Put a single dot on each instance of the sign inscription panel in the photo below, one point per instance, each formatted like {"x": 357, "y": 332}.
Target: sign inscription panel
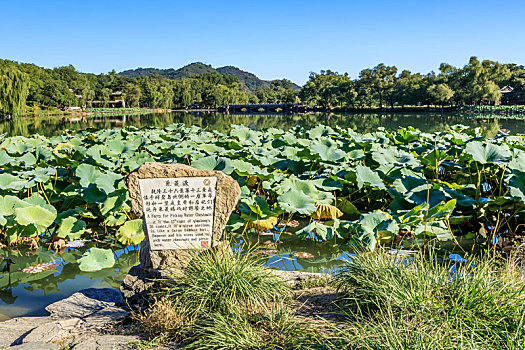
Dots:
{"x": 178, "y": 212}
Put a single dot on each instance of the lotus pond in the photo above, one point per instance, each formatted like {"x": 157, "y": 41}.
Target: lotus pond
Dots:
{"x": 310, "y": 196}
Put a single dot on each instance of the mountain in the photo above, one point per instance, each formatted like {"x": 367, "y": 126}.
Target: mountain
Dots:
{"x": 170, "y": 73}
{"x": 249, "y": 80}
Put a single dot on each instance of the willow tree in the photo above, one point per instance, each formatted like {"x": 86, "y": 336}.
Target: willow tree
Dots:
{"x": 14, "y": 88}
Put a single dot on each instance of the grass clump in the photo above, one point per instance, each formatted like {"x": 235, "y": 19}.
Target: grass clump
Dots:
{"x": 421, "y": 303}
{"x": 226, "y": 282}
{"x": 225, "y": 301}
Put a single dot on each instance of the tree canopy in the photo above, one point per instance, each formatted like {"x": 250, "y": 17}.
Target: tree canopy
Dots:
{"x": 14, "y": 89}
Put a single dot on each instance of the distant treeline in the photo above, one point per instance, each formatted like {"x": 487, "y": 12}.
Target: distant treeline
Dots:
{"x": 476, "y": 83}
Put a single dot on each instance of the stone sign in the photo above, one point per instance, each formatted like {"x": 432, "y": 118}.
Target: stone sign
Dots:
{"x": 178, "y": 212}
{"x": 182, "y": 208}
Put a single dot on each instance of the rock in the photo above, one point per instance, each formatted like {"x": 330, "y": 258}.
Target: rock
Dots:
{"x": 108, "y": 315}
{"x": 85, "y": 303}
{"x": 35, "y": 346}
{"x": 13, "y": 331}
{"x": 105, "y": 342}
{"x": 51, "y": 332}
{"x": 140, "y": 282}
{"x": 227, "y": 195}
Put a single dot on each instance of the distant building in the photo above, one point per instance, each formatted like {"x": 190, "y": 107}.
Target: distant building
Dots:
{"x": 508, "y": 95}
{"x": 116, "y": 101}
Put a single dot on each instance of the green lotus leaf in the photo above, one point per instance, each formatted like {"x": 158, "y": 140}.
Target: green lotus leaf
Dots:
{"x": 518, "y": 161}
{"x": 517, "y": 185}
{"x": 8, "y": 204}
{"x": 131, "y": 232}
{"x": 365, "y": 175}
{"x": 426, "y": 193}
{"x": 113, "y": 201}
{"x": 5, "y": 158}
{"x": 320, "y": 131}
{"x": 485, "y": 152}
{"x": 87, "y": 173}
{"x": 92, "y": 194}
{"x": 434, "y": 229}
{"x": 106, "y": 182}
{"x": 12, "y": 182}
{"x": 441, "y": 211}
{"x": 137, "y": 160}
{"x": 308, "y": 188}
{"x": 318, "y": 230}
{"x": 395, "y": 157}
{"x": 40, "y": 217}
{"x": 214, "y": 163}
{"x": 28, "y": 159}
{"x": 115, "y": 219}
{"x": 71, "y": 228}
{"x": 243, "y": 168}
{"x": 245, "y": 135}
{"x": 295, "y": 201}
{"x": 327, "y": 153}
{"x": 374, "y": 226}
{"x": 96, "y": 259}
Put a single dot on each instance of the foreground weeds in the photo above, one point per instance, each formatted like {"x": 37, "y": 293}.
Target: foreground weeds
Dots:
{"x": 423, "y": 303}
{"x": 225, "y": 301}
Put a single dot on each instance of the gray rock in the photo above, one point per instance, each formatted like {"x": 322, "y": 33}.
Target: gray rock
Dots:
{"x": 85, "y": 303}
{"x": 35, "y": 346}
{"x": 108, "y": 315}
{"x": 13, "y": 331}
{"x": 46, "y": 333}
{"x": 139, "y": 283}
{"x": 227, "y": 195}
{"x": 105, "y": 342}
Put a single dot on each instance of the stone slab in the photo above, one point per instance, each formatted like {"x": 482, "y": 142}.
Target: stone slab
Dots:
{"x": 85, "y": 303}
{"x": 106, "y": 342}
{"x": 35, "y": 346}
{"x": 13, "y": 331}
{"x": 227, "y": 196}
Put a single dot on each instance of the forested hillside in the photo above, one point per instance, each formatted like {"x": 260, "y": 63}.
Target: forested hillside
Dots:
{"x": 248, "y": 80}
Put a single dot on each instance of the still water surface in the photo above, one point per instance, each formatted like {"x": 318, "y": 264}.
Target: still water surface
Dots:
{"x": 360, "y": 122}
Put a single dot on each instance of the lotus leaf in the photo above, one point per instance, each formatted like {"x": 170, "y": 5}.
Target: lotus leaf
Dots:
{"x": 488, "y": 152}
{"x": 96, "y": 259}
{"x": 365, "y": 175}
{"x": 40, "y": 217}
{"x": 294, "y": 201}
{"x": 131, "y": 232}
{"x": 71, "y": 228}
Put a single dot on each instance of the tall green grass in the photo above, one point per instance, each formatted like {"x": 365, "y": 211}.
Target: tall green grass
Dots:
{"x": 395, "y": 303}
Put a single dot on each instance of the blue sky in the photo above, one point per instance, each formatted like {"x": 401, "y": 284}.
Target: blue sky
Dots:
{"x": 273, "y": 39}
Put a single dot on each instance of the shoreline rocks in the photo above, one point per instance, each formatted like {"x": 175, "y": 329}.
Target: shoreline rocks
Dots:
{"x": 72, "y": 320}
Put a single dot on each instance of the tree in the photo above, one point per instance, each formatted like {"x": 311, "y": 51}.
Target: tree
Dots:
{"x": 105, "y": 96}
{"x": 14, "y": 88}
{"x": 440, "y": 94}
{"x": 381, "y": 81}
{"x": 328, "y": 89}
{"x": 133, "y": 94}
{"x": 407, "y": 89}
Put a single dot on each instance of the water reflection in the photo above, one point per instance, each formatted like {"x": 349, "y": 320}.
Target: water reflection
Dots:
{"x": 360, "y": 122}
{"x": 25, "y": 294}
